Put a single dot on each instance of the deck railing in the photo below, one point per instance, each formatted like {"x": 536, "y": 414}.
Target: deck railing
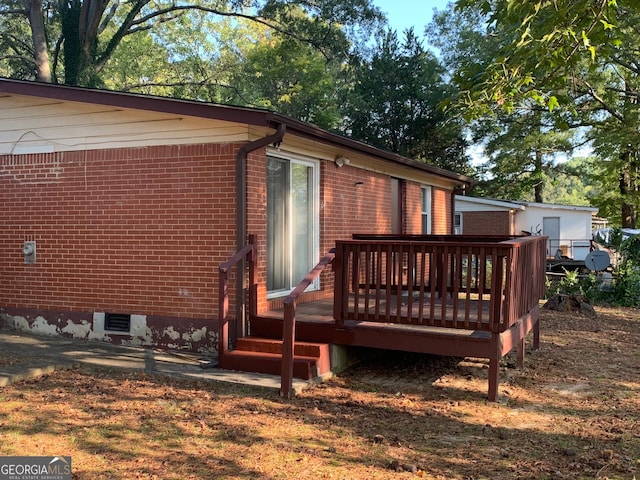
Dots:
{"x": 289, "y": 324}
{"x": 452, "y": 281}
{"x": 245, "y": 254}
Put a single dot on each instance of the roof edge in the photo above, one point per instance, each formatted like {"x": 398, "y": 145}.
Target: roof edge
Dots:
{"x": 556, "y": 206}
{"x": 491, "y": 201}
{"x": 251, "y": 116}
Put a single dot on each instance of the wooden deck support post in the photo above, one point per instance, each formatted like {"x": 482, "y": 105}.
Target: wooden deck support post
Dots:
{"x": 494, "y": 366}
{"x": 288, "y": 348}
{"x": 223, "y": 311}
{"x": 289, "y": 324}
{"x": 520, "y": 353}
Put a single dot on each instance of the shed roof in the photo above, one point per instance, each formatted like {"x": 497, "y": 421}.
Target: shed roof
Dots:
{"x": 506, "y": 204}
{"x": 552, "y": 206}
{"x": 519, "y": 205}
{"x": 242, "y": 115}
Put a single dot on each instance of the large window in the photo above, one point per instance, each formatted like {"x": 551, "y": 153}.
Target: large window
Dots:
{"x": 292, "y": 222}
{"x": 426, "y": 210}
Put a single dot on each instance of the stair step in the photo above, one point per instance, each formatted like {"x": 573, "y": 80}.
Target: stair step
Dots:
{"x": 270, "y": 363}
{"x": 270, "y": 345}
{"x": 267, "y": 327}
{"x": 264, "y": 355}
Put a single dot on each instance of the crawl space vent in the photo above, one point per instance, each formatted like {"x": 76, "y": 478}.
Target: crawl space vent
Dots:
{"x": 117, "y": 322}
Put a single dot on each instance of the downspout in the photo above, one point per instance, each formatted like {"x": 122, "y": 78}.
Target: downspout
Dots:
{"x": 241, "y": 212}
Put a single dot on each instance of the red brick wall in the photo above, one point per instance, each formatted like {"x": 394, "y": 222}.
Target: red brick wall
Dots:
{"x": 412, "y": 208}
{"x": 441, "y": 205}
{"x": 352, "y": 201}
{"x": 143, "y": 230}
{"x": 138, "y": 230}
{"x": 486, "y": 223}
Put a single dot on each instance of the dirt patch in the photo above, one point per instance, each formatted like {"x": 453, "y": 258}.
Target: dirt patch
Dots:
{"x": 7, "y": 361}
{"x": 573, "y": 412}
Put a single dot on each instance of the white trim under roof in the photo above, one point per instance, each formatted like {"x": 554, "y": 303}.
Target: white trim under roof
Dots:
{"x": 552, "y": 206}
{"x": 506, "y": 204}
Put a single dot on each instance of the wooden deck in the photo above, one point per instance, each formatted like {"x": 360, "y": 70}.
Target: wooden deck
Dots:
{"x": 445, "y": 295}
{"x": 315, "y": 323}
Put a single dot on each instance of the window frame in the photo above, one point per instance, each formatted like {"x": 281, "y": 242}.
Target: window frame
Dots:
{"x": 457, "y": 225}
{"x": 426, "y": 205}
{"x": 313, "y": 211}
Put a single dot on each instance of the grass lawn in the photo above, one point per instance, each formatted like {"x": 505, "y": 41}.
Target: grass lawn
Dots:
{"x": 573, "y": 412}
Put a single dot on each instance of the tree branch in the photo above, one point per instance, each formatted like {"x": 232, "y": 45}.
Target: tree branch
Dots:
{"x": 11, "y": 11}
{"x": 253, "y": 18}
{"x": 635, "y": 69}
{"x": 592, "y": 93}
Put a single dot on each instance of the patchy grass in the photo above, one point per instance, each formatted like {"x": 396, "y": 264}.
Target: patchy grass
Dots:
{"x": 573, "y": 412}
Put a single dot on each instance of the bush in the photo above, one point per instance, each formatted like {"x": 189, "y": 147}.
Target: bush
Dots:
{"x": 626, "y": 285}
{"x": 624, "y": 288}
{"x": 572, "y": 283}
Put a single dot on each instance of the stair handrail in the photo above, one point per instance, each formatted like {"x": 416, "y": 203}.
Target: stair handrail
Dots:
{"x": 289, "y": 323}
{"x": 246, "y": 253}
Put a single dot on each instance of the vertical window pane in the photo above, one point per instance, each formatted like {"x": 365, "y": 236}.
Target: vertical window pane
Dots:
{"x": 426, "y": 210}
{"x": 277, "y": 238}
{"x": 301, "y": 218}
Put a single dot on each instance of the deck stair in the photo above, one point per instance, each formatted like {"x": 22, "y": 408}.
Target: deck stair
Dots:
{"x": 264, "y": 355}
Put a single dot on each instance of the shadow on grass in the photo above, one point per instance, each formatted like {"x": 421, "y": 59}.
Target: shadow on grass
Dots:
{"x": 388, "y": 412}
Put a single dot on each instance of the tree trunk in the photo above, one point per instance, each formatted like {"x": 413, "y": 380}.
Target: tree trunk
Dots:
{"x": 74, "y": 63}
{"x": 628, "y": 190}
{"x": 41, "y": 53}
{"x": 538, "y": 187}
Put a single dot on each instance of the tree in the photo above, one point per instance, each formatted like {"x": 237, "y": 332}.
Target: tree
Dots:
{"x": 573, "y": 183}
{"x": 522, "y": 150}
{"x": 522, "y": 144}
{"x": 395, "y": 104}
{"x": 577, "y": 58}
{"x": 277, "y": 72}
{"x": 72, "y": 41}
{"x": 193, "y": 56}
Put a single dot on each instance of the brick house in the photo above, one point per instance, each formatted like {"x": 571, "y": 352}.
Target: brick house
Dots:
{"x": 118, "y": 209}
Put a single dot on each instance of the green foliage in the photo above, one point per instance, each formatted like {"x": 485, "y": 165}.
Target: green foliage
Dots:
{"x": 625, "y": 289}
{"x": 621, "y": 287}
{"x": 15, "y": 42}
{"x": 521, "y": 149}
{"x": 521, "y": 144}
{"x": 626, "y": 285}
{"x": 573, "y": 283}
{"x": 545, "y": 42}
{"x": 292, "y": 78}
{"x": 574, "y": 60}
{"x": 82, "y": 37}
{"x": 395, "y": 103}
{"x": 630, "y": 250}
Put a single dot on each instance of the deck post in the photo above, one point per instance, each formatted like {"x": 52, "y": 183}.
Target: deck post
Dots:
{"x": 494, "y": 367}
{"x": 253, "y": 280}
{"x": 288, "y": 347}
{"x": 223, "y": 294}
{"x": 536, "y": 329}
{"x": 520, "y": 350}
{"x": 340, "y": 297}
{"x": 223, "y": 310}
